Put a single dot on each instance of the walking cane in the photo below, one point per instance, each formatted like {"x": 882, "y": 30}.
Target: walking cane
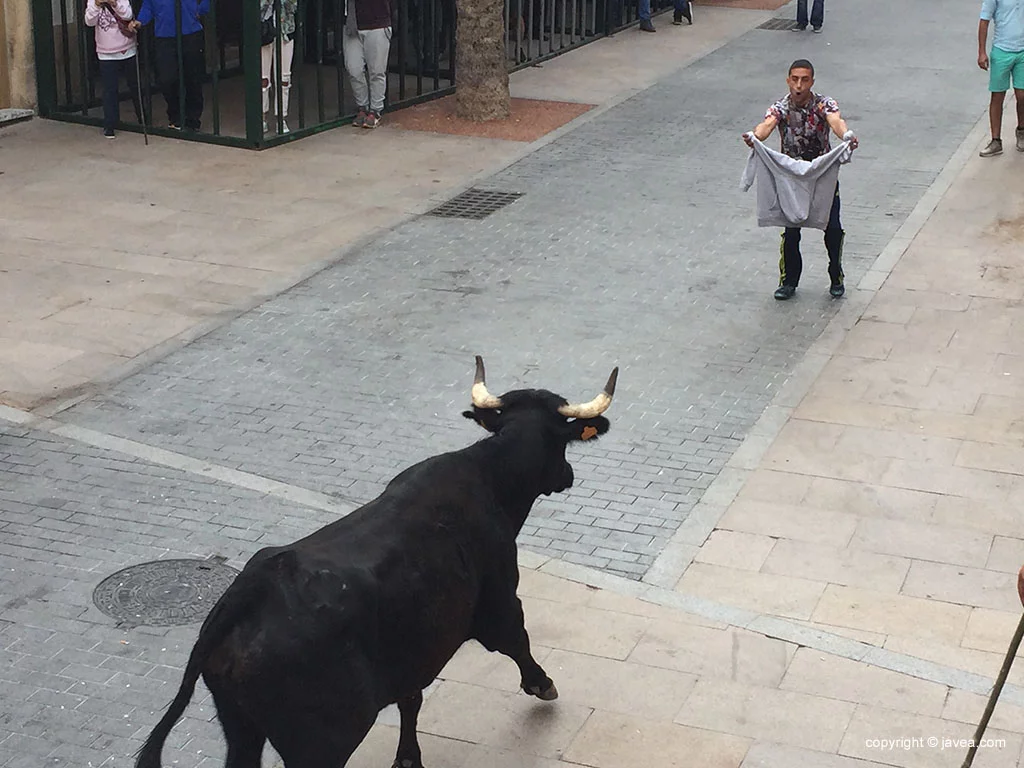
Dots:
{"x": 138, "y": 87}
{"x": 1011, "y": 654}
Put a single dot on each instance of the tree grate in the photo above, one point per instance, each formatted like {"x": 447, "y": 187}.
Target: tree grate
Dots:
{"x": 475, "y": 204}
{"x": 778, "y": 24}
{"x": 164, "y": 593}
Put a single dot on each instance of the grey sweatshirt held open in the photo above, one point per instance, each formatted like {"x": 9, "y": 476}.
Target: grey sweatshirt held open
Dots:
{"x": 793, "y": 192}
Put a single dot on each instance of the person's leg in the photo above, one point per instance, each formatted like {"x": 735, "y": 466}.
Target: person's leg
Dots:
{"x": 999, "y": 66}
{"x": 166, "y": 55}
{"x": 376, "y": 46}
{"x": 644, "y": 11}
{"x": 108, "y": 75}
{"x": 790, "y": 263}
{"x": 801, "y": 14}
{"x": 834, "y": 237}
{"x": 193, "y": 51}
{"x": 266, "y": 72}
{"x": 995, "y": 113}
{"x": 818, "y": 14}
{"x": 355, "y": 65}
{"x": 682, "y": 10}
{"x": 1017, "y": 75}
{"x": 287, "y": 50}
{"x": 1018, "y": 95}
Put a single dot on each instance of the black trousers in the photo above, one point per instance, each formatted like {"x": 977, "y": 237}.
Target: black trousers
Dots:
{"x": 193, "y": 66}
{"x": 790, "y": 262}
{"x": 110, "y": 74}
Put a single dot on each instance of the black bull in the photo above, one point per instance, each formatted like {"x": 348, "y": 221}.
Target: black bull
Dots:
{"x": 314, "y": 638}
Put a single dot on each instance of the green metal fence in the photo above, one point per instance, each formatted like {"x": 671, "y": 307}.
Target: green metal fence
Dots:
{"x": 421, "y": 62}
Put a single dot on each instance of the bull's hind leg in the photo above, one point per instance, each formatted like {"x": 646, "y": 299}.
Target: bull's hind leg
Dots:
{"x": 320, "y": 738}
{"x": 408, "y": 755}
{"x": 244, "y": 739}
{"x": 503, "y": 629}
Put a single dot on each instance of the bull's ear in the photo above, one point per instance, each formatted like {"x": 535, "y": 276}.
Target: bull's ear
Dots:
{"x": 587, "y": 429}
{"x": 485, "y": 418}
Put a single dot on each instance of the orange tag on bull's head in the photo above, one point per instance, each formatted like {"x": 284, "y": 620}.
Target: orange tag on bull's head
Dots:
{"x": 588, "y": 432}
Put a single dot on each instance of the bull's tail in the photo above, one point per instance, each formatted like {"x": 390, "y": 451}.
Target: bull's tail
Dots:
{"x": 216, "y": 627}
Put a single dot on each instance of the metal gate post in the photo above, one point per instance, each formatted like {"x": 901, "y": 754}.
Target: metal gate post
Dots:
{"x": 45, "y": 56}
{"x": 253, "y": 73}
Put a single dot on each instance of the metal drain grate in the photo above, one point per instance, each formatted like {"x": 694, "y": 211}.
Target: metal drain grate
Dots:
{"x": 778, "y": 24}
{"x": 475, "y": 204}
{"x": 164, "y": 593}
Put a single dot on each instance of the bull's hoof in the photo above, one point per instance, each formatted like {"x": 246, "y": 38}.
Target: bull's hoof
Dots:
{"x": 548, "y": 694}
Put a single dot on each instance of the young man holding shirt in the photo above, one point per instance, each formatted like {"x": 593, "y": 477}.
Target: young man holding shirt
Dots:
{"x": 804, "y": 119}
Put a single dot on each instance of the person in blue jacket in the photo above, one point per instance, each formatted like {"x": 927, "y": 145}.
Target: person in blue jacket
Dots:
{"x": 193, "y": 62}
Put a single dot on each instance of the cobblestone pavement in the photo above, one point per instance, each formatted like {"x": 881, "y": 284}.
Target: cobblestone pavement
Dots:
{"x": 631, "y": 246}
{"x": 77, "y": 691}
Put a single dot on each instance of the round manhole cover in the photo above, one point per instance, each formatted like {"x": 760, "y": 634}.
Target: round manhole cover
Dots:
{"x": 164, "y": 593}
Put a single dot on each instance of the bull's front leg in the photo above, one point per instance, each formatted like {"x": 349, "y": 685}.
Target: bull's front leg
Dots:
{"x": 504, "y": 631}
{"x": 408, "y": 745}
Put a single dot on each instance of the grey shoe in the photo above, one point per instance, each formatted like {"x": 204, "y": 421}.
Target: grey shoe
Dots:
{"x": 995, "y": 147}
{"x": 1020, "y": 139}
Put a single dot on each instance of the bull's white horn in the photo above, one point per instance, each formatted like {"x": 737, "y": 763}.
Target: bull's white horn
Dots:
{"x": 481, "y": 397}
{"x": 595, "y": 407}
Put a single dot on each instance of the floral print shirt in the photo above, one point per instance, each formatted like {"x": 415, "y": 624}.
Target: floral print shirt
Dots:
{"x": 804, "y": 130}
{"x": 288, "y": 10}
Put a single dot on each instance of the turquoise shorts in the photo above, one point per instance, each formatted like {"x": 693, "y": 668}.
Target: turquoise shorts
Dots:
{"x": 1001, "y": 65}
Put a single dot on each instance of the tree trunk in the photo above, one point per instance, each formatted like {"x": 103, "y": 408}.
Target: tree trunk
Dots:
{"x": 481, "y": 72}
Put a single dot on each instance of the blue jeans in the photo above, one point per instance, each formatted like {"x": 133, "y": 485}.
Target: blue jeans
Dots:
{"x": 645, "y": 10}
{"x": 817, "y": 13}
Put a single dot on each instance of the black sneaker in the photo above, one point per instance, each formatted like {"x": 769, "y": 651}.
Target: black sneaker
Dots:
{"x": 108, "y": 132}
{"x": 647, "y": 26}
{"x": 837, "y": 290}
{"x": 784, "y": 292}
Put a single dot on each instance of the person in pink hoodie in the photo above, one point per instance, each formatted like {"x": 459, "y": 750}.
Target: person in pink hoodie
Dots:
{"x": 116, "y": 50}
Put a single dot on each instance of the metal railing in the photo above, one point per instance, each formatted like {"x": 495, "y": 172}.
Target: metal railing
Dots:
{"x": 421, "y": 62}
